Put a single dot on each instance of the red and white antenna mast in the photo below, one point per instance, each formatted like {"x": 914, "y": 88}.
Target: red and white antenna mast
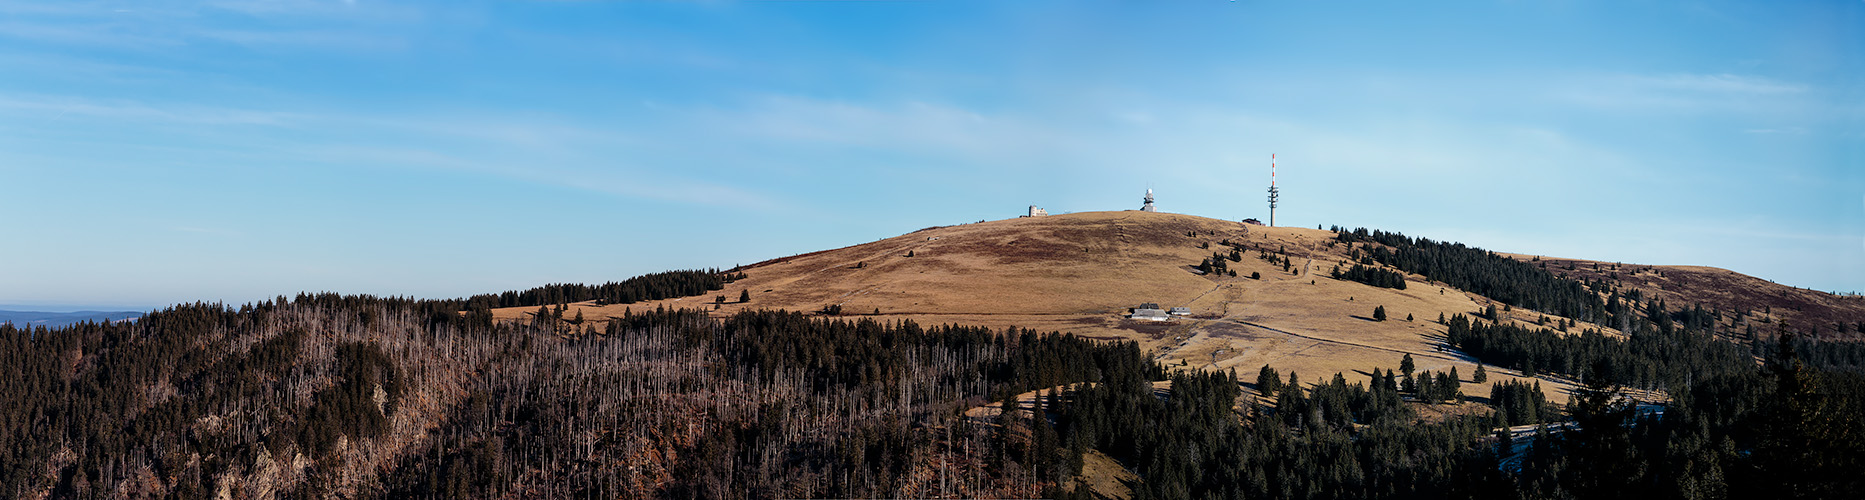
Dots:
{"x": 1273, "y": 193}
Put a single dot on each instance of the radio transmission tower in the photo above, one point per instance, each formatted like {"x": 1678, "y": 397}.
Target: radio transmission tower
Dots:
{"x": 1273, "y": 193}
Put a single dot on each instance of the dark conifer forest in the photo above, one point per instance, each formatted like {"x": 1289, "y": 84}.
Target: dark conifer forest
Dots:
{"x": 329, "y": 396}
{"x": 1477, "y": 271}
{"x": 655, "y": 286}
{"x": 1383, "y": 278}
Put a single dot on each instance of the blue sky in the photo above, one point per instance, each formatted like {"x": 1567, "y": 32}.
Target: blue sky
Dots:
{"x": 154, "y": 152}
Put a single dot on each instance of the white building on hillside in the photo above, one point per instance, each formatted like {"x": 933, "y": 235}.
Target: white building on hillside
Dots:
{"x": 1150, "y": 315}
{"x": 1037, "y": 212}
{"x": 1149, "y": 312}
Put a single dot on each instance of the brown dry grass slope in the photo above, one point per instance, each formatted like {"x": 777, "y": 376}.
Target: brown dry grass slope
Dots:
{"x": 1079, "y": 273}
{"x": 1764, "y": 304}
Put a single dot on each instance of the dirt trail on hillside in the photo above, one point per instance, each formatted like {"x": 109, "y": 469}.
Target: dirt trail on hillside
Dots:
{"x": 1438, "y": 355}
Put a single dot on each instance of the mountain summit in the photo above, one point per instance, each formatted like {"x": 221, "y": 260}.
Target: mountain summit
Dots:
{"x": 1084, "y": 273}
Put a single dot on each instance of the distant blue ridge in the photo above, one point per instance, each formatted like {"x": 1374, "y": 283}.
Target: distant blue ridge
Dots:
{"x": 23, "y": 319}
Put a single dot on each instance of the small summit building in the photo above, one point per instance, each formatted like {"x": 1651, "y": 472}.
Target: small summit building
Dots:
{"x": 1149, "y": 312}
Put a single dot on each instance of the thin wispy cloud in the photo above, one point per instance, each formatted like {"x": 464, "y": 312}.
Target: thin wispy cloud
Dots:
{"x": 1683, "y": 92}
{"x": 206, "y": 230}
{"x": 1773, "y": 131}
{"x": 1720, "y": 83}
{"x": 28, "y": 106}
{"x": 344, "y": 40}
{"x": 515, "y": 147}
{"x": 87, "y": 34}
{"x": 322, "y": 25}
{"x": 917, "y": 126}
{"x": 612, "y": 175}
{"x": 86, "y": 69}
{"x": 375, "y": 12}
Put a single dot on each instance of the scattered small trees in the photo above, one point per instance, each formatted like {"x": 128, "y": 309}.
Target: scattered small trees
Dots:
{"x": 1383, "y": 278}
{"x": 1438, "y": 387}
{"x": 1217, "y": 263}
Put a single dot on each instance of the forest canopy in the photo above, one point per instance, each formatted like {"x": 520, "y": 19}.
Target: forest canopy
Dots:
{"x": 327, "y": 395}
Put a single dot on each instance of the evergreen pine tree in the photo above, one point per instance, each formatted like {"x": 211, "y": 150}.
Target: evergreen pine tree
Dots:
{"x": 1425, "y": 389}
{"x": 1268, "y": 382}
{"x": 1008, "y": 418}
{"x": 1600, "y": 450}
{"x": 1451, "y": 386}
{"x": 1480, "y": 376}
{"x": 1505, "y": 444}
{"x": 1802, "y": 443}
{"x": 1044, "y": 446}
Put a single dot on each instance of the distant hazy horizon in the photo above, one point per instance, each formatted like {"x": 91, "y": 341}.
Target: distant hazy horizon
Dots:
{"x": 71, "y": 308}
{"x": 161, "y": 152}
